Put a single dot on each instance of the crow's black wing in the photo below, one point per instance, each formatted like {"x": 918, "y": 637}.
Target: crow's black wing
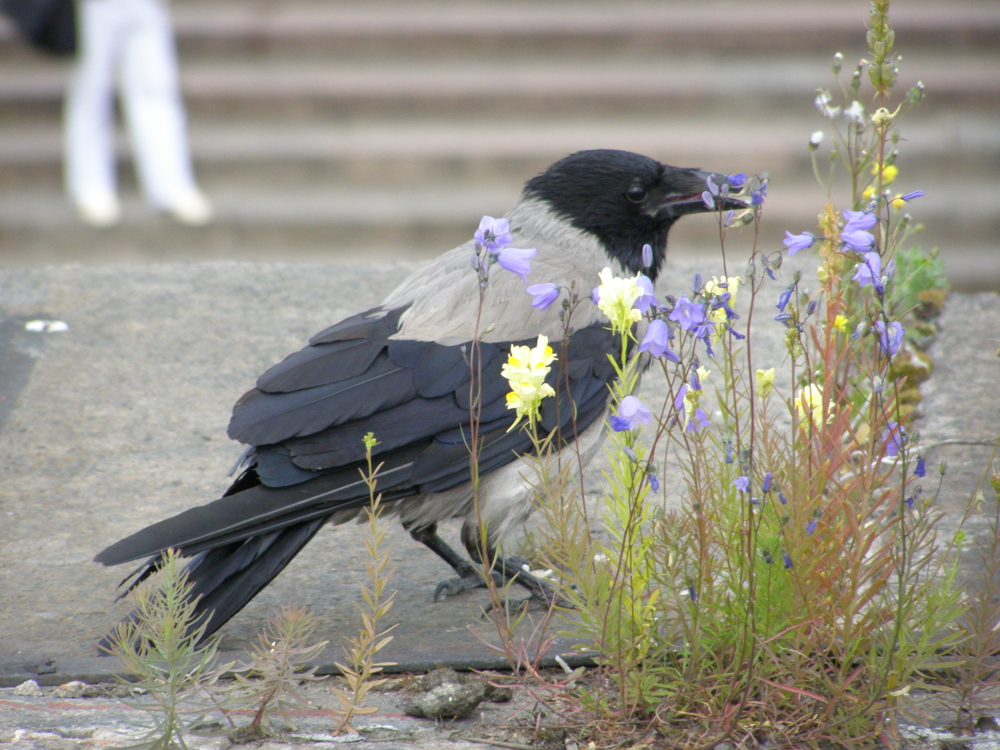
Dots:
{"x": 306, "y": 419}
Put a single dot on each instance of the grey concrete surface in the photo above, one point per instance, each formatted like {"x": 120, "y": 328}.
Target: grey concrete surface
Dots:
{"x": 120, "y": 421}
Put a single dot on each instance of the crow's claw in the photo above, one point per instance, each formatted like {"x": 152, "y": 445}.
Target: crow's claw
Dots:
{"x": 456, "y": 586}
{"x": 537, "y": 600}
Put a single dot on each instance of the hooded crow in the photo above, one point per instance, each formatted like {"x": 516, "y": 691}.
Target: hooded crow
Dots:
{"x": 402, "y": 371}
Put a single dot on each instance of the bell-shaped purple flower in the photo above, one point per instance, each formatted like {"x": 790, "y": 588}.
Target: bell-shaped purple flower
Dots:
{"x": 493, "y": 234}
{"x": 690, "y": 315}
{"x": 765, "y": 486}
{"x": 654, "y": 483}
{"x": 921, "y": 470}
{"x": 796, "y": 242}
{"x": 742, "y": 483}
{"x": 708, "y": 200}
{"x": 869, "y": 270}
{"x": 516, "y": 260}
{"x": 657, "y": 341}
{"x": 631, "y": 413}
{"x": 647, "y": 299}
{"x": 912, "y": 196}
{"x": 647, "y": 255}
{"x": 698, "y": 421}
{"x": 890, "y": 337}
{"x": 858, "y": 220}
{"x": 544, "y": 295}
{"x": 894, "y": 438}
{"x": 858, "y": 240}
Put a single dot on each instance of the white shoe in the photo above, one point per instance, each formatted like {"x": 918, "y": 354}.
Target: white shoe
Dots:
{"x": 191, "y": 208}
{"x": 99, "y": 209}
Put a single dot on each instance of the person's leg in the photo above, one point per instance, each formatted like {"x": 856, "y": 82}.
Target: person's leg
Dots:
{"x": 89, "y": 158}
{"x": 154, "y": 113}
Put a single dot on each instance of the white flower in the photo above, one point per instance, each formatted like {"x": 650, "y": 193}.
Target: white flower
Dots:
{"x": 815, "y": 139}
{"x": 823, "y": 105}
{"x": 856, "y": 112}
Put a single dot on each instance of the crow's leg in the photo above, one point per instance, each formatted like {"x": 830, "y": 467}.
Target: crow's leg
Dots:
{"x": 469, "y": 575}
{"x": 511, "y": 569}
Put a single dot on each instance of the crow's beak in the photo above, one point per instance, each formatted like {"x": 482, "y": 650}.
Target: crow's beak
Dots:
{"x": 694, "y": 191}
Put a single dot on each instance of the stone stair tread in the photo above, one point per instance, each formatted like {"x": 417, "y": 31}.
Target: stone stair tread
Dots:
{"x": 767, "y": 18}
{"x": 770, "y": 18}
{"x": 348, "y": 205}
{"x": 682, "y": 141}
{"x": 553, "y": 80}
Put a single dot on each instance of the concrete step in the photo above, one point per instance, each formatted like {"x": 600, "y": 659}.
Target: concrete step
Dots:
{"x": 716, "y": 87}
{"x": 377, "y": 30}
{"x": 385, "y": 153}
{"x": 351, "y": 223}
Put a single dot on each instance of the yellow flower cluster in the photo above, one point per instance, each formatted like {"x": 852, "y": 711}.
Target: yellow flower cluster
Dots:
{"x": 764, "y": 381}
{"x": 809, "y": 405}
{"x": 525, "y": 370}
{"x": 889, "y": 173}
{"x": 616, "y": 298}
{"x": 712, "y": 289}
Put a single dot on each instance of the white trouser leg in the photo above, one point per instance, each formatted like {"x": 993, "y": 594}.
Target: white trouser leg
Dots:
{"x": 152, "y": 105}
{"x": 89, "y": 124}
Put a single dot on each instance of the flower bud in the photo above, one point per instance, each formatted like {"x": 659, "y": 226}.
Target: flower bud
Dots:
{"x": 815, "y": 139}
{"x": 856, "y": 78}
{"x": 838, "y": 60}
{"x": 811, "y": 307}
{"x": 914, "y": 95}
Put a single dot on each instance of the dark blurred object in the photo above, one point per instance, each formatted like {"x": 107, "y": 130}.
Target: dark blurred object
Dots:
{"x": 49, "y": 25}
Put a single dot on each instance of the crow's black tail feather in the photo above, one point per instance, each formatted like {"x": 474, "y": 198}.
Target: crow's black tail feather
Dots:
{"x": 226, "y": 578}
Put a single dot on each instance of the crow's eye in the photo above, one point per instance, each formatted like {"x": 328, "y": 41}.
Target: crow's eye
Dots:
{"x": 636, "y": 193}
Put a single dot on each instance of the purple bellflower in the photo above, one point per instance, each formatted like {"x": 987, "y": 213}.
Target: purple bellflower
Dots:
{"x": 912, "y": 196}
{"x": 783, "y": 299}
{"x": 811, "y": 526}
{"x": 657, "y": 341}
{"x": 544, "y": 295}
{"x": 894, "y": 438}
{"x": 647, "y": 255}
{"x": 654, "y": 483}
{"x": 493, "y": 234}
{"x": 921, "y": 470}
{"x": 890, "y": 337}
{"x": 858, "y": 220}
{"x": 787, "y": 560}
{"x": 516, "y": 260}
{"x": 631, "y": 413}
{"x": 690, "y": 315}
{"x": 869, "y": 271}
{"x": 648, "y": 298}
{"x": 742, "y": 483}
{"x": 796, "y": 242}
{"x": 858, "y": 240}
{"x": 766, "y": 485}
{"x": 698, "y": 421}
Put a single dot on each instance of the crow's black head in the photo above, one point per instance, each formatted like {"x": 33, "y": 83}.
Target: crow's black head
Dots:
{"x": 626, "y": 200}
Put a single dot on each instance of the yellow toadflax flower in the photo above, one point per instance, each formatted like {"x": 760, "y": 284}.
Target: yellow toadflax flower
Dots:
{"x": 616, "y": 298}
{"x": 525, "y": 370}
{"x": 809, "y": 405}
{"x": 840, "y": 323}
{"x": 712, "y": 289}
{"x": 764, "y": 380}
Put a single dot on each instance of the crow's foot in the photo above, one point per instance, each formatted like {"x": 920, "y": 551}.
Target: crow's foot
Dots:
{"x": 472, "y": 580}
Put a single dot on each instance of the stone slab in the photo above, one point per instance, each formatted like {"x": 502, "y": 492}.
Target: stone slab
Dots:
{"x": 120, "y": 421}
